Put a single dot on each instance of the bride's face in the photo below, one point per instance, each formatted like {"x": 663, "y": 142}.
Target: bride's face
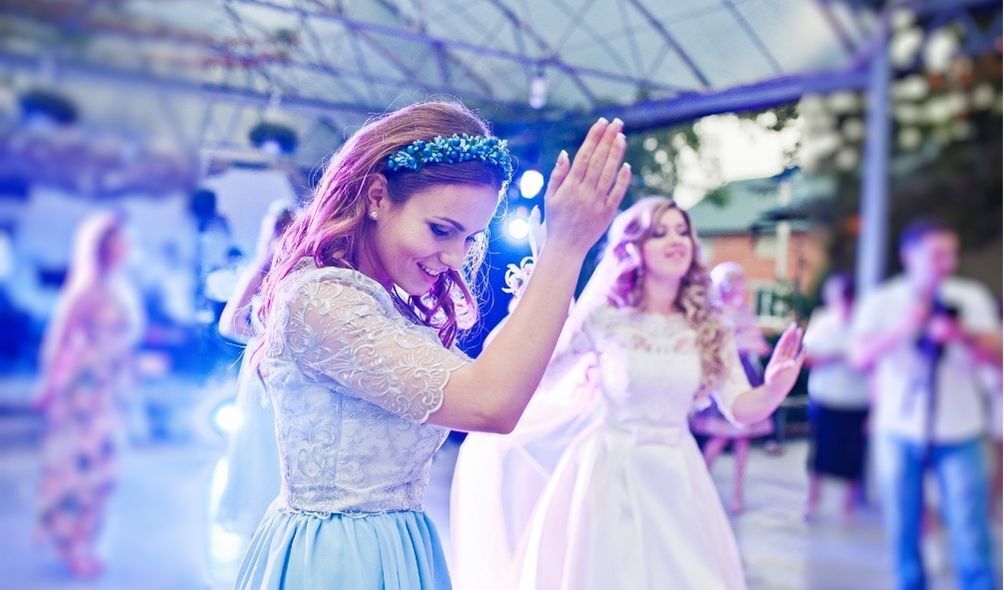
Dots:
{"x": 669, "y": 250}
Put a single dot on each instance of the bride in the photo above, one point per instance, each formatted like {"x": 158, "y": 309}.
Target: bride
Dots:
{"x": 601, "y": 485}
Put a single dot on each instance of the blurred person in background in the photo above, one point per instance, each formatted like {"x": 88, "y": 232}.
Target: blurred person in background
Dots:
{"x": 926, "y": 335}
{"x": 995, "y": 426}
{"x": 252, "y": 456}
{"x": 728, "y": 287}
{"x": 86, "y": 368}
{"x": 838, "y": 397}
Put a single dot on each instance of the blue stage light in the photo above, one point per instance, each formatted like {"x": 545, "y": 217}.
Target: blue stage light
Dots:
{"x": 530, "y": 184}
{"x": 518, "y": 228}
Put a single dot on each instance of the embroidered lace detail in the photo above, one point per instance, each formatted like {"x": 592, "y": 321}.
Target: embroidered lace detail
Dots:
{"x": 650, "y": 365}
{"x": 353, "y": 383}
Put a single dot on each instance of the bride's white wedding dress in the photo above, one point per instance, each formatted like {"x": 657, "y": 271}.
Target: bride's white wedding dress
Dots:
{"x": 603, "y": 494}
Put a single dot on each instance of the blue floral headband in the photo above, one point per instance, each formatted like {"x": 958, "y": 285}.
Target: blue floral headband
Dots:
{"x": 453, "y": 149}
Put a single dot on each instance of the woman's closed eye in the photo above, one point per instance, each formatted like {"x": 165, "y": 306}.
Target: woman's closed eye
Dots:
{"x": 440, "y": 231}
{"x": 444, "y": 232}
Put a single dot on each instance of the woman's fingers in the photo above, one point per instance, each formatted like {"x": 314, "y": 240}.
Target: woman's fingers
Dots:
{"x": 582, "y": 157}
{"x": 788, "y": 343}
{"x": 620, "y": 186}
{"x": 800, "y": 357}
{"x": 612, "y": 165}
{"x": 558, "y": 174}
{"x": 599, "y": 157}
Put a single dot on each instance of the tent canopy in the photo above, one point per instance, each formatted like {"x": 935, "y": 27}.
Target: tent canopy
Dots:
{"x": 198, "y": 73}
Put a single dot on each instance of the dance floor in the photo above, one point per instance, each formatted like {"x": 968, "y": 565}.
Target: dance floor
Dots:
{"x": 157, "y": 535}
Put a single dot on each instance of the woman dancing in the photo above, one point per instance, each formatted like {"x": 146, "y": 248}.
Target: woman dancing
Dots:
{"x": 361, "y": 309}
{"x": 630, "y": 503}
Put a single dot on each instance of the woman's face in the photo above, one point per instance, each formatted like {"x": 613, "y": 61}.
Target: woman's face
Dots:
{"x": 669, "y": 250}
{"x": 411, "y": 244}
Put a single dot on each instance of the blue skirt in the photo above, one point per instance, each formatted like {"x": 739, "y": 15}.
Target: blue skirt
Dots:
{"x": 294, "y": 550}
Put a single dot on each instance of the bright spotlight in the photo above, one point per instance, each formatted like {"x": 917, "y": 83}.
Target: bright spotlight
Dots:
{"x": 530, "y": 184}
{"x": 226, "y": 418}
{"x": 518, "y": 228}
{"x": 538, "y": 92}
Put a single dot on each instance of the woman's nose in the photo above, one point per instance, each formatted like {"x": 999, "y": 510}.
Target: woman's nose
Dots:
{"x": 454, "y": 256}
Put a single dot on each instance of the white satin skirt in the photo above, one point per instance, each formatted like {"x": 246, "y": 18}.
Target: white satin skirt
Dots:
{"x": 630, "y": 507}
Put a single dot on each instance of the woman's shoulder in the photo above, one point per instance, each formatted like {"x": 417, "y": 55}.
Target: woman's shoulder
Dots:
{"x": 334, "y": 279}
{"x": 327, "y": 289}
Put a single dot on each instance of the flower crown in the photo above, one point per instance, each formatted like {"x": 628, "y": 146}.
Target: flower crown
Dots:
{"x": 453, "y": 149}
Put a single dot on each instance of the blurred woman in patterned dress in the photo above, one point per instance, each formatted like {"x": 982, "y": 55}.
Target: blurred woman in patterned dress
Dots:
{"x": 729, "y": 288}
{"x": 85, "y": 368}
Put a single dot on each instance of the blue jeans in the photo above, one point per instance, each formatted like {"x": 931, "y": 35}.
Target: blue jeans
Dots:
{"x": 962, "y": 483}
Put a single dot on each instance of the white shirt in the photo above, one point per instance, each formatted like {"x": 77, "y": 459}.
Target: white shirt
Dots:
{"x": 834, "y": 383}
{"x": 901, "y": 375}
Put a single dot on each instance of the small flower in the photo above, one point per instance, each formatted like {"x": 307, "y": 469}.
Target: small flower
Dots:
{"x": 518, "y": 276}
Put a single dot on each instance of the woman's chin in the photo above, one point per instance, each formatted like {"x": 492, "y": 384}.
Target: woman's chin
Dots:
{"x": 417, "y": 288}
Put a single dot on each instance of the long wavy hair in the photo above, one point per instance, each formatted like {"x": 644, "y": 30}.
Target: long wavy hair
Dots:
{"x": 629, "y": 232}
{"x": 92, "y": 249}
{"x": 331, "y": 227}
{"x": 92, "y": 263}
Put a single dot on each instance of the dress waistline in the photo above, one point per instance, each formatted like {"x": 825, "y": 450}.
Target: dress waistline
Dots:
{"x": 284, "y": 508}
{"x": 642, "y": 434}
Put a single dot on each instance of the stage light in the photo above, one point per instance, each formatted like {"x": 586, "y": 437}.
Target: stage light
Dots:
{"x": 518, "y": 228}
{"x": 226, "y": 418}
{"x": 538, "y": 91}
{"x": 530, "y": 184}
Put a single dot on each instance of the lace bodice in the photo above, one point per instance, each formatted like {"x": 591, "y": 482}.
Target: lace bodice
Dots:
{"x": 649, "y": 367}
{"x": 352, "y": 383}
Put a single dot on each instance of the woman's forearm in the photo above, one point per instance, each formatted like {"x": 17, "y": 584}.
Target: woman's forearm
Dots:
{"x": 509, "y": 370}
{"x": 756, "y": 404}
{"x": 235, "y": 321}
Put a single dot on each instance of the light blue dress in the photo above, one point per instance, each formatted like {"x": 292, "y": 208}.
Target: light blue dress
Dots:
{"x": 352, "y": 382}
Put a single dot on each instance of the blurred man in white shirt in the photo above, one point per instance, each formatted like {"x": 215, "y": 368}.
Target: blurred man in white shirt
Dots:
{"x": 926, "y": 336}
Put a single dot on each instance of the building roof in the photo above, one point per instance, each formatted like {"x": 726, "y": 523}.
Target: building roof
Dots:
{"x": 752, "y": 205}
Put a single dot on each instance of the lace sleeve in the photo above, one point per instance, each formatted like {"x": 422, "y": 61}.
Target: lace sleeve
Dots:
{"x": 576, "y": 343}
{"x": 734, "y": 382}
{"x": 343, "y": 329}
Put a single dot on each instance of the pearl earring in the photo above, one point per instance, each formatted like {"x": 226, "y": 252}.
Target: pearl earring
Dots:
{"x": 373, "y": 215}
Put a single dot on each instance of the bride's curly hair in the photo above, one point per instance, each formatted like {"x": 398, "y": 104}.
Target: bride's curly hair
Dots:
{"x": 629, "y": 232}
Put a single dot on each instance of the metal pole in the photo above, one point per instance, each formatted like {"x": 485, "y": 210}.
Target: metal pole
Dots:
{"x": 783, "y": 231}
{"x": 874, "y": 209}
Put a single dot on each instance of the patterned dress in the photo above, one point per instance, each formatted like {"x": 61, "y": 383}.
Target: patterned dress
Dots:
{"x": 352, "y": 383}
{"x": 82, "y": 424}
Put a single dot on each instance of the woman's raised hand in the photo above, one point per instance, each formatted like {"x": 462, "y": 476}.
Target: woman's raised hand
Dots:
{"x": 786, "y": 362}
{"x": 583, "y": 195}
